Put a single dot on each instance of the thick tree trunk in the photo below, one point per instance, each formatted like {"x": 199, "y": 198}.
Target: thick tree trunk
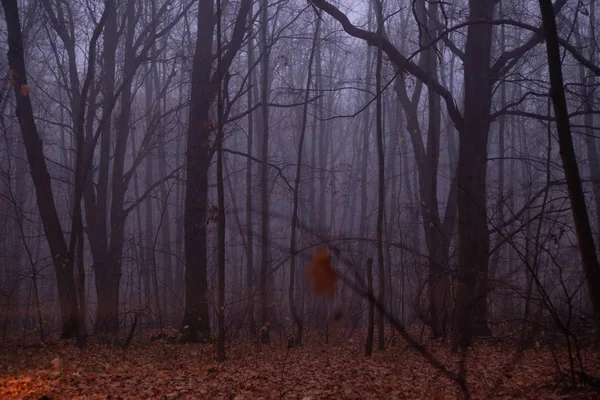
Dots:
{"x": 585, "y": 239}
{"x": 196, "y": 319}
{"x": 107, "y": 311}
{"x": 471, "y": 306}
{"x": 473, "y": 129}
{"x": 196, "y": 324}
{"x": 587, "y": 93}
{"x": 63, "y": 264}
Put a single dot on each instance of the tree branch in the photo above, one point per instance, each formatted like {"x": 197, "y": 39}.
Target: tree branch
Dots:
{"x": 401, "y": 61}
{"x": 150, "y": 189}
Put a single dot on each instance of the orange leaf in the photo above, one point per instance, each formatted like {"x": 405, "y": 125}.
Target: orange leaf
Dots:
{"x": 321, "y": 273}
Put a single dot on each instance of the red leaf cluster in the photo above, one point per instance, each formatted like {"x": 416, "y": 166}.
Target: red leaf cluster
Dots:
{"x": 321, "y": 273}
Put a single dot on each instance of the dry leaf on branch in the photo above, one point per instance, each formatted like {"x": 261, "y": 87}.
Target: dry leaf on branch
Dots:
{"x": 321, "y": 273}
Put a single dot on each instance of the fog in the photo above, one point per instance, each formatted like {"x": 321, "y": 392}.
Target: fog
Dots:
{"x": 182, "y": 163}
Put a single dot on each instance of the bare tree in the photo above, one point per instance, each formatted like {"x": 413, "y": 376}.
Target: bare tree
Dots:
{"x": 63, "y": 256}
{"x": 196, "y": 320}
{"x": 265, "y": 314}
{"x": 585, "y": 238}
{"x": 294, "y": 224}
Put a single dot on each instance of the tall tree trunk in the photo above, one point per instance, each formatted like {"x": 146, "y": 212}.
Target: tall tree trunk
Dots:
{"x": 196, "y": 324}
{"x": 144, "y": 271}
{"x": 365, "y": 150}
{"x": 585, "y": 239}
{"x": 501, "y": 154}
{"x": 167, "y": 251}
{"x": 321, "y": 220}
{"x": 471, "y": 309}
{"x": 108, "y": 276}
{"x": 438, "y": 233}
{"x": 97, "y": 208}
{"x": 165, "y": 226}
{"x": 61, "y": 255}
{"x": 471, "y": 306}
{"x": 196, "y": 319}
{"x": 148, "y": 267}
{"x": 381, "y": 181}
{"x": 179, "y": 194}
{"x": 587, "y": 93}
{"x": 265, "y": 303}
{"x": 249, "y": 194}
{"x": 292, "y": 295}
{"x": 221, "y": 198}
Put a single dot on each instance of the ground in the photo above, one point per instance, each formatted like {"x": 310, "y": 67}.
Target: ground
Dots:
{"x": 252, "y": 371}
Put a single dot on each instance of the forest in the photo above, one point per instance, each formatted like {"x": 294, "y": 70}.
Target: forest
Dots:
{"x": 304, "y": 199}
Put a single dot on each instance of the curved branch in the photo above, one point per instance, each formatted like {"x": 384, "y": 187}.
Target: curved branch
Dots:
{"x": 402, "y": 62}
{"x": 279, "y": 170}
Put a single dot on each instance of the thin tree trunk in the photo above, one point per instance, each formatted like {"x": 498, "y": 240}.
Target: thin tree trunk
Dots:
{"x": 265, "y": 302}
{"x": 381, "y": 183}
{"x": 167, "y": 258}
{"x": 249, "y": 194}
{"x": 143, "y": 263}
{"x": 501, "y": 154}
{"x": 371, "y": 323}
{"x": 108, "y": 276}
{"x": 292, "y": 296}
{"x": 221, "y": 198}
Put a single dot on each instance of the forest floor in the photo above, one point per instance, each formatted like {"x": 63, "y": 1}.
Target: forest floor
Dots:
{"x": 168, "y": 371}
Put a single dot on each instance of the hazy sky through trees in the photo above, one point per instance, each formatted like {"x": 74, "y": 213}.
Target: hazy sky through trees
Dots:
{"x": 178, "y": 163}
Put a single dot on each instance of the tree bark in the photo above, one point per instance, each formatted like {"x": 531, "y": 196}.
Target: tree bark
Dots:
{"x": 196, "y": 323}
{"x": 471, "y": 305}
{"x": 221, "y": 198}
{"x": 249, "y": 194}
{"x": 381, "y": 181}
{"x": 471, "y": 170}
{"x": 292, "y": 295}
{"x": 108, "y": 276}
{"x": 371, "y": 317}
{"x": 63, "y": 263}
{"x": 196, "y": 319}
{"x": 265, "y": 302}
{"x": 583, "y": 228}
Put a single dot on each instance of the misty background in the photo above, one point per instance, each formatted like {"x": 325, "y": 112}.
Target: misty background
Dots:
{"x": 426, "y": 162}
